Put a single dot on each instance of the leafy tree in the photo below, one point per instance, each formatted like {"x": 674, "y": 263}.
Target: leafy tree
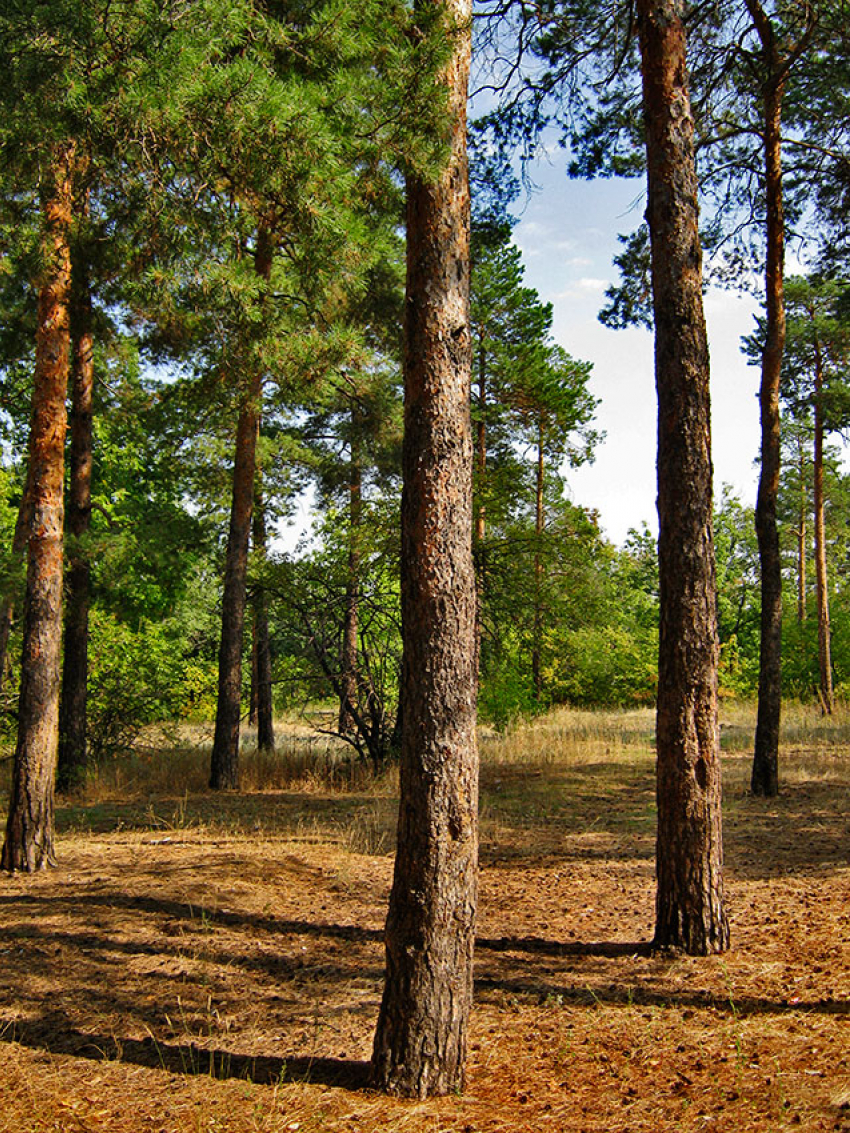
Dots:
{"x": 815, "y": 384}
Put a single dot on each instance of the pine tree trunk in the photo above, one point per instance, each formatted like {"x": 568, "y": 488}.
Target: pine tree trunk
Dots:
{"x": 421, "y": 1037}
{"x": 765, "y": 774}
{"x": 690, "y": 911}
{"x": 30, "y": 827}
{"x": 539, "y": 520}
{"x": 824, "y": 650}
{"x": 224, "y": 764}
{"x": 71, "y": 769}
{"x": 262, "y": 647}
{"x": 801, "y": 537}
{"x": 348, "y": 654}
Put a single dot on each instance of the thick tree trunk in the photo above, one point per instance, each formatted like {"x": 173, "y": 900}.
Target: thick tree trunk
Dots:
{"x": 262, "y": 647}
{"x": 824, "y": 645}
{"x": 348, "y": 653}
{"x": 690, "y": 912}
{"x": 539, "y": 522}
{"x": 30, "y": 828}
{"x": 224, "y": 765}
{"x": 765, "y": 774}
{"x": 71, "y": 769}
{"x": 420, "y": 1042}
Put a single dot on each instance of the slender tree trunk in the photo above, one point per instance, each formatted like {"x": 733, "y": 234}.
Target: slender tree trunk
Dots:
{"x": 481, "y": 444}
{"x": 539, "y": 522}
{"x": 71, "y": 769}
{"x": 765, "y": 775}
{"x": 801, "y": 535}
{"x": 824, "y": 651}
{"x": 30, "y": 827}
{"x": 420, "y": 1042}
{"x": 252, "y": 699}
{"x": 348, "y": 655}
{"x": 262, "y": 647}
{"x": 690, "y": 912}
{"x": 224, "y": 765}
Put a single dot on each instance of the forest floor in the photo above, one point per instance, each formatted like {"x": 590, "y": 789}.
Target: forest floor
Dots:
{"x": 202, "y": 963}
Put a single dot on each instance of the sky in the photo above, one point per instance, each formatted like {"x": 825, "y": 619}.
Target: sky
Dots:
{"x": 567, "y": 233}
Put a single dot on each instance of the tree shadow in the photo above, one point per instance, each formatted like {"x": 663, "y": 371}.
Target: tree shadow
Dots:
{"x": 53, "y": 1032}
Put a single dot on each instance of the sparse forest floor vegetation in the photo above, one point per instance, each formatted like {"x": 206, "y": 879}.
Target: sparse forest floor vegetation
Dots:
{"x": 211, "y": 962}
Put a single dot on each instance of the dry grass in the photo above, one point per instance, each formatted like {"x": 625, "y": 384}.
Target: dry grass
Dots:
{"x": 212, "y": 963}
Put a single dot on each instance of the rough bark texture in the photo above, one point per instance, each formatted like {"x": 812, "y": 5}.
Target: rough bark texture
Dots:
{"x": 824, "y": 645}
{"x": 765, "y": 775}
{"x": 262, "y": 646}
{"x": 30, "y": 830}
{"x": 224, "y": 765}
{"x": 690, "y": 912}
{"x": 420, "y": 1042}
{"x": 348, "y": 653}
{"x": 71, "y": 769}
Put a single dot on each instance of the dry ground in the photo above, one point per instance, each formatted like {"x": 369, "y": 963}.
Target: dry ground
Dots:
{"x": 199, "y": 963}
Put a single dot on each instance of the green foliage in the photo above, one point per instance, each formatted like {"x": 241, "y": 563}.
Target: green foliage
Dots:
{"x": 137, "y": 676}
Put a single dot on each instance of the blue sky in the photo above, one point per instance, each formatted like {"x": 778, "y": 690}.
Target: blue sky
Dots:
{"x": 568, "y": 235}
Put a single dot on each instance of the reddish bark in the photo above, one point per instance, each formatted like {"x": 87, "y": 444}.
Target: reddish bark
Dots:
{"x": 420, "y": 1042}
{"x": 690, "y": 911}
{"x": 30, "y": 827}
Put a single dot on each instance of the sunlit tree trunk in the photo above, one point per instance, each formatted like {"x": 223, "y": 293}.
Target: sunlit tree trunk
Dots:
{"x": 690, "y": 912}
{"x": 421, "y": 1037}
{"x": 29, "y": 842}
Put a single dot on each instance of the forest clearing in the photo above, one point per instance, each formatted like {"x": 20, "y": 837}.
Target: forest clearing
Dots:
{"x": 202, "y": 961}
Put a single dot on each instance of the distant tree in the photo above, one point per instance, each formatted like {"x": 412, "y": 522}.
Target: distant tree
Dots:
{"x": 420, "y": 1040}
{"x": 816, "y": 384}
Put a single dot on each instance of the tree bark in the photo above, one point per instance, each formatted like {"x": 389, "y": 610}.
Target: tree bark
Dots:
{"x": 72, "y": 760}
{"x": 224, "y": 764}
{"x": 262, "y": 647}
{"x": 824, "y": 645}
{"x": 348, "y": 653}
{"x": 29, "y": 842}
{"x": 539, "y": 521}
{"x": 690, "y": 911}
{"x": 421, "y": 1037}
{"x": 801, "y": 534}
{"x": 765, "y": 774}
